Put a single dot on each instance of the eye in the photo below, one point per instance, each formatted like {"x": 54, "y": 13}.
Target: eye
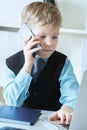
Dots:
{"x": 43, "y": 37}
{"x": 55, "y": 37}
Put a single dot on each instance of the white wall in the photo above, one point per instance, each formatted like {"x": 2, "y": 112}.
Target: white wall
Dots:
{"x": 74, "y": 13}
{"x": 10, "y": 43}
{"x": 10, "y": 12}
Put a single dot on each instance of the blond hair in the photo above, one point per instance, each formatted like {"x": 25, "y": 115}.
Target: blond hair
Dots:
{"x": 41, "y": 12}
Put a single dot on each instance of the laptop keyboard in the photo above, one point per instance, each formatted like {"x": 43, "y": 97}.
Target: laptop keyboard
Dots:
{"x": 66, "y": 126}
{"x": 56, "y": 124}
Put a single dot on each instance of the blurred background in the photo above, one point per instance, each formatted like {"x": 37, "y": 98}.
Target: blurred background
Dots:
{"x": 72, "y": 38}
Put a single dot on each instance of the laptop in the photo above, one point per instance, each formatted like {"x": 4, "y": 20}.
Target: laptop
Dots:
{"x": 79, "y": 119}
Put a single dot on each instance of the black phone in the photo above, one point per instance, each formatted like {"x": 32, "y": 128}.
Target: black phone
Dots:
{"x": 10, "y": 128}
{"x": 24, "y": 32}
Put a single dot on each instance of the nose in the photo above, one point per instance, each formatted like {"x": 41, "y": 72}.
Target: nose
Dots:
{"x": 48, "y": 41}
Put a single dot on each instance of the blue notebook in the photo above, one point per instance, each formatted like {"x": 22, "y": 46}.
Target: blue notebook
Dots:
{"x": 19, "y": 115}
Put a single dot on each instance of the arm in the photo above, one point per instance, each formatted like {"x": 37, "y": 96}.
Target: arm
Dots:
{"x": 15, "y": 87}
{"x": 69, "y": 92}
{"x": 69, "y": 86}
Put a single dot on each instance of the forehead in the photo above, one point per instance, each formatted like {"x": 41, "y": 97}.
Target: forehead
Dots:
{"x": 40, "y": 27}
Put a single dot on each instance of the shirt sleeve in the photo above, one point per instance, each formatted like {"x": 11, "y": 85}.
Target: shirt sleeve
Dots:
{"x": 69, "y": 85}
{"x": 15, "y": 87}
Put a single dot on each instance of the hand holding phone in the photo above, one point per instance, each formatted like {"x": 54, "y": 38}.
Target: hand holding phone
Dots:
{"x": 24, "y": 33}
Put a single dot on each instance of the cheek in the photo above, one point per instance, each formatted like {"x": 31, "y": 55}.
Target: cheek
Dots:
{"x": 54, "y": 44}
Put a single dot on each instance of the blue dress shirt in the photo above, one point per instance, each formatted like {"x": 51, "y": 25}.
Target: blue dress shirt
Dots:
{"x": 16, "y": 87}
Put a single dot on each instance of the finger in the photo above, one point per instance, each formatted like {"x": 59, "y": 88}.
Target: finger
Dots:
{"x": 34, "y": 44}
{"x": 53, "y": 117}
{"x": 62, "y": 118}
{"x": 30, "y": 45}
{"x": 28, "y": 39}
{"x": 35, "y": 50}
{"x": 36, "y": 38}
{"x": 68, "y": 118}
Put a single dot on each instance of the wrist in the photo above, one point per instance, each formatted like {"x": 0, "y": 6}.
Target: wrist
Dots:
{"x": 65, "y": 108}
{"x": 27, "y": 67}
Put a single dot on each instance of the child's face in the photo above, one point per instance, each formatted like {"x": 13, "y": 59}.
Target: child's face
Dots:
{"x": 49, "y": 38}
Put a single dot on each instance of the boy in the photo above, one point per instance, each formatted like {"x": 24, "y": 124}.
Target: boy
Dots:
{"x": 55, "y": 87}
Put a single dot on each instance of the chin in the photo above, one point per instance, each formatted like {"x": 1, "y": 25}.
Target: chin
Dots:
{"x": 45, "y": 54}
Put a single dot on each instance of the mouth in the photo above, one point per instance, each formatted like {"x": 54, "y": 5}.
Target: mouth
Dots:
{"x": 47, "y": 50}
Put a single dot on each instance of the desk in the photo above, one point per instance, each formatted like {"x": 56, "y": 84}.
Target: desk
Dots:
{"x": 39, "y": 125}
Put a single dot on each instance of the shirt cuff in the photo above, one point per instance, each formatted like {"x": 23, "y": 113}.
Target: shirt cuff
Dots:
{"x": 24, "y": 76}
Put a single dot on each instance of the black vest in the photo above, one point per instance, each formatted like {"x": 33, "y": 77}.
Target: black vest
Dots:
{"x": 45, "y": 92}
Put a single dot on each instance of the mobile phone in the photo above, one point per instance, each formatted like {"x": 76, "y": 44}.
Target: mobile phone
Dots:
{"x": 10, "y": 128}
{"x": 25, "y": 32}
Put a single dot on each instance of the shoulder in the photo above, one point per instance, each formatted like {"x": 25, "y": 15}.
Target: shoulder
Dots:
{"x": 16, "y": 57}
{"x": 58, "y": 56}
{"x": 15, "y": 62}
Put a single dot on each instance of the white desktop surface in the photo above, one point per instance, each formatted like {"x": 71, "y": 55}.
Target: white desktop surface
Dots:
{"x": 39, "y": 125}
